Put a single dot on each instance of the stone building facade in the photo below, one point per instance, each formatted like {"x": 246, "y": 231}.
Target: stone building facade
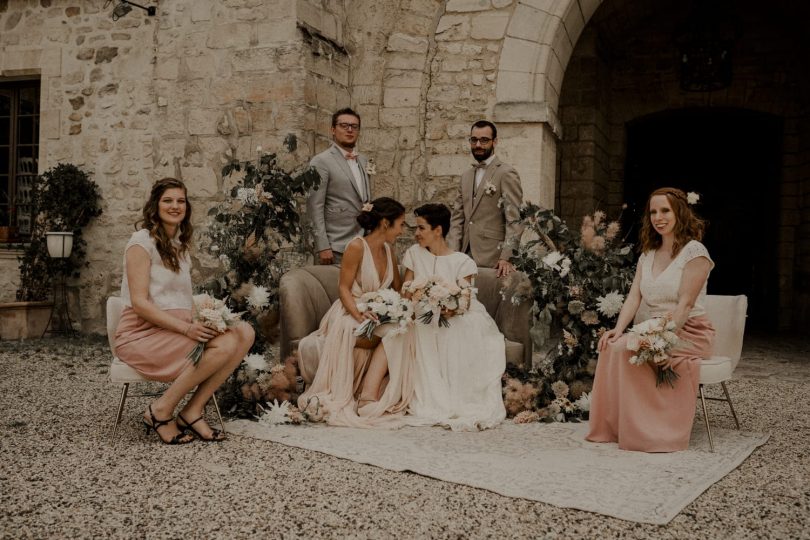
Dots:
{"x": 568, "y": 82}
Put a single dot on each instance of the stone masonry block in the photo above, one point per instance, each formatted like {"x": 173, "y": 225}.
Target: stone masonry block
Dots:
{"x": 399, "y": 117}
{"x": 277, "y": 31}
{"x": 447, "y": 165}
{"x": 308, "y": 13}
{"x": 467, "y": 5}
{"x": 407, "y": 61}
{"x": 514, "y": 87}
{"x": 403, "y": 79}
{"x": 202, "y": 122}
{"x": 401, "y": 97}
{"x": 519, "y": 55}
{"x": 453, "y": 28}
{"x": 489, "y": 25}
{"x": 574, "y": 23}
{"x": 202, "y": 181}
{"x": 230, "y": 35}
{"x": 405, "y": 43}
{"x": 201, "y": 10}
{"x": 50, "y": 123}
{"x": 529, "y": 23}
{"x": 255, "y": 59}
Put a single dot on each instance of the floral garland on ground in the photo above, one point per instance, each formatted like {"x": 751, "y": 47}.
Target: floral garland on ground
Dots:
{"x": 247, "y": 233}
{"x": 578, "y": 282}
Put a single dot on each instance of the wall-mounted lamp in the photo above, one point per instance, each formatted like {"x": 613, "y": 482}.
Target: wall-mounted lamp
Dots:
{"x": 125, "y": 6}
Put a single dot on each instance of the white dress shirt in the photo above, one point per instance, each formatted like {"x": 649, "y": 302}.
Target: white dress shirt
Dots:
{"x": 354, "y": 166}
{"x": 479, "y": 173}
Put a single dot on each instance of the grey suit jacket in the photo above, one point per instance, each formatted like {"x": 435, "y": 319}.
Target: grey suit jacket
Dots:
{"x": 334, "y": 206}
{"x": 487, "y": 221}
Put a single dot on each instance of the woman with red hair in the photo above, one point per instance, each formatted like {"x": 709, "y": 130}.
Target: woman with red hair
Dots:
{"x": 627, "y": 404}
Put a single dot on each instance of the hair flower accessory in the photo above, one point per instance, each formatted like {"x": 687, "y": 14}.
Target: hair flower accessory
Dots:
{"x": 692, "y": 197}
{"x": 368, "y": 207}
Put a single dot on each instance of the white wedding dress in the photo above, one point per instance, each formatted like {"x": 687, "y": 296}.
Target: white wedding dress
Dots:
{"x": 457, "y": 370}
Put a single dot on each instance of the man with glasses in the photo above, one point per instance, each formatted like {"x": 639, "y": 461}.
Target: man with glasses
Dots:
{"x": 344, "y": 188}
{"x": 484, "y": 222}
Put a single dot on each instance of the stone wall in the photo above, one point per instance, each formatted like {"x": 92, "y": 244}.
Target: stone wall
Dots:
{"x": 140, "y": 98}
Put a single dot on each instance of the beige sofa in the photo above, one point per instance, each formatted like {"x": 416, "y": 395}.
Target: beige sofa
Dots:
{"x": 307, "y": 293}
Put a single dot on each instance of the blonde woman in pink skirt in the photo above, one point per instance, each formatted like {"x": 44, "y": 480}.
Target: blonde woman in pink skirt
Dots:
{"x": 626, "y": 405}
{"x": 156, "y": 332}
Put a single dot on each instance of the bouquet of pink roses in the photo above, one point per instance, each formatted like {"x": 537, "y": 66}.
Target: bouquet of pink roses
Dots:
{"x": 213, "y": 313}
{"x": 434, "y": 295}
{"x": 652, "y": 341}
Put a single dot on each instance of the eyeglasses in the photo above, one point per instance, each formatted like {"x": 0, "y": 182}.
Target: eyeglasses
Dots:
{"x": 348, "y": 127}
{"x": 482, "y": 140}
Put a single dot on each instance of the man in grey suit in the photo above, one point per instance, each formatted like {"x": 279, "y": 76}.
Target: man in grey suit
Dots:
{"x": 344, "y": 188}
{"x": 485, "y": 215}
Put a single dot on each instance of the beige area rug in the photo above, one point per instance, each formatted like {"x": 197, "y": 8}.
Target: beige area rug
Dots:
{"x": 550, "y": 463}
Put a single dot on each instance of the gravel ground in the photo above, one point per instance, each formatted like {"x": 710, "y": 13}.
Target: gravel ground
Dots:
{"x": 60, "y": 477}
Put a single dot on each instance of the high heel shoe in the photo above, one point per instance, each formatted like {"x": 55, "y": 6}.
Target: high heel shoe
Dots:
{"x": 216, "y": 435}
{"x": 180, "y": 438}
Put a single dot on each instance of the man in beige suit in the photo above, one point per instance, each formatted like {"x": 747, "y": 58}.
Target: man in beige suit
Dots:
{"x": 486, "y": 212}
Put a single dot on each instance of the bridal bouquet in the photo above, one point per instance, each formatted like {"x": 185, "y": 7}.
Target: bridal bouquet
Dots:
{"x": 652, "y": 341}
{"x": 433, "y": 295}
{"x": 213, "y": 313}
{"x": 389, "y": 307}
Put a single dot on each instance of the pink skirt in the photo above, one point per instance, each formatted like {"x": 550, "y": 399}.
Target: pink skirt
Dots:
{"x": 154, "y": 352}
{"x": 627, "y": 407}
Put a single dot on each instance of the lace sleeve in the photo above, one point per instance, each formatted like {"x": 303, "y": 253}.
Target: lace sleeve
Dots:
{"x": 693, "y": 250}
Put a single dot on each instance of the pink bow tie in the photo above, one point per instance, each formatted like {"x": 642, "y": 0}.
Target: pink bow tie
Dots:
{"x": 351, "y": 156}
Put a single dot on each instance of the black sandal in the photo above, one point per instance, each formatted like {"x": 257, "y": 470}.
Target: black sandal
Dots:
{"x": 157, "y": 424}
{"x": 217, "y": 435}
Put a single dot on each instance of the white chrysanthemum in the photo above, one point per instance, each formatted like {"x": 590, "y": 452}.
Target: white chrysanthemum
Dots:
{"x": 692, "y": 197}
{"x": 552, "y": 259}
{"x": 247, "y": 195}
{"x": 584, "y": 402}
{"x": 258, "y": 297}
{"x": 610, "y": 304}
{"x": 276, "y": 414}
{"x": 256, "y": 362}
{"x": 565, "y": 267}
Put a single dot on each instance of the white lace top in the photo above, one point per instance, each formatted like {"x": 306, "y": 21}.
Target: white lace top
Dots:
{"x": 167, "y": 289}
{"x": 659, "y": 295}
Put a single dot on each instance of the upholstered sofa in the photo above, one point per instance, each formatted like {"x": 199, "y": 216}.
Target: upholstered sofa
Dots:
{"x": 307, "y": 293}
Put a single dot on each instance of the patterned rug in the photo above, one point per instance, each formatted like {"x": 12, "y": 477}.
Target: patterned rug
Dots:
{"x": 550, "y": 463}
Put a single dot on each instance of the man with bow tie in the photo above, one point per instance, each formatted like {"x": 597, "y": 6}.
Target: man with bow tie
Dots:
{"x": 485, "y": 214}
{"x": 344, "y": 187}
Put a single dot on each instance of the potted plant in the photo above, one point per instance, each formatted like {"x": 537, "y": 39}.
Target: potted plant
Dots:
{"x": 8, "y": 231}
{"x": 65, "y": 200}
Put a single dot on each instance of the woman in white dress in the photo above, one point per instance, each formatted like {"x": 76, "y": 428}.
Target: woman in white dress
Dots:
{"x": 368, "y": 265}
{"x": 457, "y": 369}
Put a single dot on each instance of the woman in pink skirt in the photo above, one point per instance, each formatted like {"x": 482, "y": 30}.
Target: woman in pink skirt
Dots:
{"x": 626, "y": 405}
{"x": 156, "y": 332}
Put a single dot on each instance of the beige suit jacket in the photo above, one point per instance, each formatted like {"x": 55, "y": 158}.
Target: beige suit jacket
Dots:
{"x": 487, "y": 221}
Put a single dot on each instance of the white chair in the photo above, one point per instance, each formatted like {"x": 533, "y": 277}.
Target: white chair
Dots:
{"x": 727, "y": 314}
{"x": 121, "y": 373}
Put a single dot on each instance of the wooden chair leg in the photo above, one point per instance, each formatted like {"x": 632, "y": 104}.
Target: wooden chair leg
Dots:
{"x": 219, "y": 415}
{"x": 124, "y": 391}
{"x": 730, "y": 405}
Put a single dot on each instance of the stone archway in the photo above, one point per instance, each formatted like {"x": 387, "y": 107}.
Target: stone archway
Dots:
{"x": 625, "y": 67}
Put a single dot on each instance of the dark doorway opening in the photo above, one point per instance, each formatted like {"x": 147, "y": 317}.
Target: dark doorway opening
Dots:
{"x": 732, "y": 158}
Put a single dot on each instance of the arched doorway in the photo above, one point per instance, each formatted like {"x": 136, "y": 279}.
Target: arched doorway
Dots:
{"x": 732, "y": 158}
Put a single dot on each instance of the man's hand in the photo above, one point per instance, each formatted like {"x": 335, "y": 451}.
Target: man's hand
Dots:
{"x": 504, "y": 268}
{"x": 326, "y": 256}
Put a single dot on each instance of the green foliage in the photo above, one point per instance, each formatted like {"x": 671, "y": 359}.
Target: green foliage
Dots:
{"x": 64, "y": 199}
{"x": 575, "y": 278}
{"x": 249, "y": 230}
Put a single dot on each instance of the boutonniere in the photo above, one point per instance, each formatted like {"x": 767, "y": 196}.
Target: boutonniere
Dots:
{"x": 490, "y": 189}
{"x": 371, "y": 168}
